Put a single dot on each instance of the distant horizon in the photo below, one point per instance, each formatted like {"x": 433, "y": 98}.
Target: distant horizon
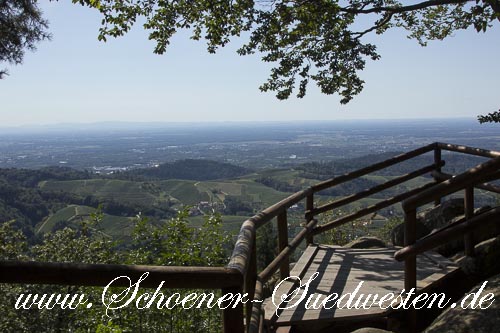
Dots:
{"x": 224, "y": 122}
{"x": 260, "y": 144}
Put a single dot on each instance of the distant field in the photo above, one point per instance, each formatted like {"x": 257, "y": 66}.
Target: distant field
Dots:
{"x": 260, "y": 194}
{"x": 181, "y": 192}
{"x": 119, "y": 190}
{"x": 184, "y": 191}
{"x": 190, "y": 192}
{"x": 187, "y": 192}
{"x": 113, "y": 226}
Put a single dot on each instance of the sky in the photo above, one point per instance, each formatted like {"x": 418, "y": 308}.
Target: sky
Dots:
{"x": 75, "y": 79}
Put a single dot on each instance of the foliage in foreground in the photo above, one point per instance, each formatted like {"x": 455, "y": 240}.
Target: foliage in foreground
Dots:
{"x": 172, "y": 243}
{"x": 492, "y": 117}
{"x": 21, "y": 28}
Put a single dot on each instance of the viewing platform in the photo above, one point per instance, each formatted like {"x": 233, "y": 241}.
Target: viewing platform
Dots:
{"x": 340, "y": 271}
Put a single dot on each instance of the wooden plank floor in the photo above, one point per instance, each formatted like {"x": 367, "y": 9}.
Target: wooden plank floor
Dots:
{"x": 339, "y": 271}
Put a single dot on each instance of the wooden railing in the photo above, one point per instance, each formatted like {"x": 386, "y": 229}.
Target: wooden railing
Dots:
{"x": 241, "y": 275}
{"x": 474, "y": 177}
{"x": 243, "y": 257}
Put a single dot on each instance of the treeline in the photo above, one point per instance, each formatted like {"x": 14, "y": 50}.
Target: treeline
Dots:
{"x": 21, "y": 199}
{"x": 186, "y": 169}
{"x": 277, "y": 184}
{"x": 31, "y": 177}
{"x": 235, "y": 206}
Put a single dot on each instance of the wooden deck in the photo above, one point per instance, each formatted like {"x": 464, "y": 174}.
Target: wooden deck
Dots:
{"x": 339, "y": 271}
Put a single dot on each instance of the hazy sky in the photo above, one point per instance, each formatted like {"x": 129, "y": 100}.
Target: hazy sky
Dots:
{"x": 75, "y": 78}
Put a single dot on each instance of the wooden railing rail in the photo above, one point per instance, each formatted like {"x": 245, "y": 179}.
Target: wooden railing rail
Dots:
{"x": 254, "y": 310}
{"x": 243, "y": 247}
{"x": 447, "y": 234}
{"x": 256, "y": 321}
{"x": 370, "y": 209}
{"x": 468, "y": 150}
{"x": 242, "y": 253}
{"x": 464, "y": 181}
{"x": 243, "y": 258}
{"x": 372, "y": 168}
{"x": 471, "y": 177}
{"x": 483, "y": 186}
{"x": 101, "y": 274}
{"x": 378, "y": 188}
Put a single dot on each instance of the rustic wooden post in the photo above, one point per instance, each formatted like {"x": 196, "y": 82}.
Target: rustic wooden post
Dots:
{"x": 411, "y": 263}
{"x": 251, "y": 279}
{"x": 437, "y": 162}
{"x": 469, "y": 213}
{"x": 283, "y": 243}
{"x": 232, "y": 318}
{"x": 309, "y": 217}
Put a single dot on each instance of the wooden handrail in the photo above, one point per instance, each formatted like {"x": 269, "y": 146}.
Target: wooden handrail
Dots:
{"x": 243, "y": 247}
{"x": 251, "y": 280}
{"x": 378, "y": 188}
{"x": 437, "y": 159}
{"x": 468, "y": 150}
{"x": 271, "y": 212}
{"x": 466, "y": 180}
{"x": 447, "y": 234}
{"x": 483, "y": 186}
{"x": 101, "y": 275}
{"x": 283, "y": 243}
{"x": 469, "y": 213}
{"x": 469, "y": 178}
{"x": 372, "y": 168}
{"x": 371, "y": 209}
{"x": 240, "y": 257}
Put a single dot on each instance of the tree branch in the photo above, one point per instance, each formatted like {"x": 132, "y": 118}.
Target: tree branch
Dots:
{"x": 380, "y": 24}
{"x": 402, "y": 9}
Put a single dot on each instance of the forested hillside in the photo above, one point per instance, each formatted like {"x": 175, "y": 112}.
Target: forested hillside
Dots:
{"x": 48, "y": 199}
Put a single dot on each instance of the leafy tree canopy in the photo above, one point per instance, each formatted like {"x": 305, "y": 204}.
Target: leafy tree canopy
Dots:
{"x": 492, "y": 117}
{"x": 307, "y": 40}
{"x": 21, "y": 27}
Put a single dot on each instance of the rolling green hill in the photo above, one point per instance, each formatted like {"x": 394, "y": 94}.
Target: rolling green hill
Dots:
{"x": 113, "y": 226}
{"x": 41, "y": 201}
{"x": 185, "y": 192}
{"x": 127, "y": 191}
